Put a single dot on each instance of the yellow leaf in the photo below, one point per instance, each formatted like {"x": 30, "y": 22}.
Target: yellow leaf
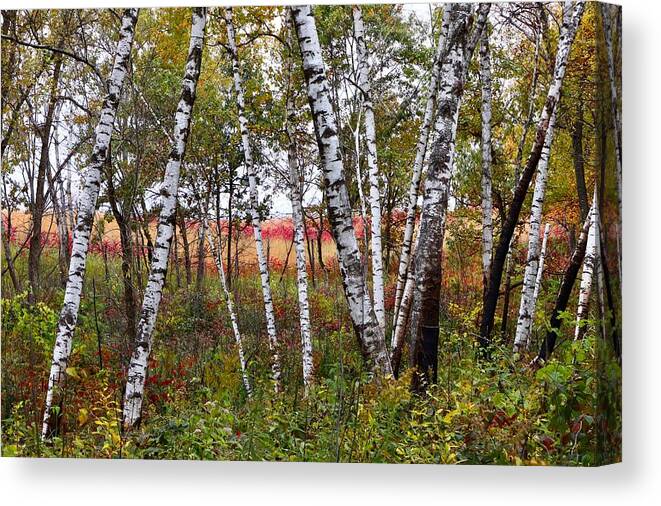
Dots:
{"x": 73, "y": 372}
{"x": 83, "y": 416}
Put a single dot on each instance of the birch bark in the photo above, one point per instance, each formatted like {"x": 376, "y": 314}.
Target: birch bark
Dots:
{"x": 137, "y": 371}
{"x": 254, "y": 203}
{"x": 428, "y": 255}
{"x": 372, "y": 164}
{"x": 527, "y": 304}
{"x": 487, "y": 208}
{"x": 421, "y": 150}
{"x": 366, "y": 326}
{"x": 83, "y": 228}
{"x": 571, "y": 19}
{"x": 589, "y": 263}
{"x": 218, "y": 259}
{"x": 540, "y": 273}
{"x": 295, "y": 181}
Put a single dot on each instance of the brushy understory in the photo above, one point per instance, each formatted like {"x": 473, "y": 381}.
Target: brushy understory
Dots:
{"x": 481, "y": 411}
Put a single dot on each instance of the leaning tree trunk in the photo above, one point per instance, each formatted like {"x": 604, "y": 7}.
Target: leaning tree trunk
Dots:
{"x": 571, "y": 20}
{"x": 86, "y": 208}
{"x": 295, "y": 181}
{"x": 527, "y": 305}
{"x": 137, "y": 371}
{"x": 254, "y": 204}
{"x": 366, "y": 326}
{"x": 217, "y": 256}
{"x": 564, "y": 293}
{"x": 424, "y": 319}
{"x": 414, "y": 188}
{"x": 374, "y": 177}
{"x": 590, "y": 262}
{"x": 487, "y": 208}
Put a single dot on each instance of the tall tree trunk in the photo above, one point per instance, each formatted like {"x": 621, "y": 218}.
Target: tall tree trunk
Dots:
{"x": 487, "y": 208}
{"x": 540, "y": 273}
{"x": 579, "y": 163}
{"x": 590, "y": 265}
{"x": 372, "y": 165}
{"x": 217, "y": 256}
{"x": 201, "y": 249}
{"x": 527, "y": 305}
{"x": 137, "y": 371}
{"x": 295, "y": 181}
{"x": 571, "y": 19}
{"x": 424, "y": 319}
{"x": 85, "y": 219}
{"x": 39, "y": 204}
{"x": 254, "y": 204}
{"x": 421, "y": 149}
{"x": 366, "y": 326}
{"x": 564, "y": 293}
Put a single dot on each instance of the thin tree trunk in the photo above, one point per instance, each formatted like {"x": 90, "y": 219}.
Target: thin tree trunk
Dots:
{"x": 527, "y": 305}
{"x": 299, "y": 239}
{"x": 217, "y": 256}
{"x": 39, "y": 205}
{"x": 487, "y": 208}
{"x": 590, "y": 261}
{"x": 564, "y": 293}
{"x": 372, "y": 164}
{"x": 571, "y": 19}
{"x": 137, "y": 371}
{"x": 254, "y": 204}
{"x": 540, "y": 273}
{"x": 184, "y": 242}
{"x": 366, "y": 326}
{"x": 201, "y": 250}
{"x": 86, "y": 208}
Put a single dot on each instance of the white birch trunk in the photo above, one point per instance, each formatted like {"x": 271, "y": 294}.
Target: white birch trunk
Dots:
{"x": 527, "y": 304}
{"x": 540, "y": 274}
{"x": 218, "y": 259}
{"x": 137, "y": 371}
{"x": 254, "y": 203}
{"x": 299, "y": 243}
{"x": 86, "y": 209}
{"x": 421, "y": 150}
{"x": 589, "y": 263}
{"x": 487, "y": 208}
{"x": 372, "y": 164}
{"x": 368, "y": 330}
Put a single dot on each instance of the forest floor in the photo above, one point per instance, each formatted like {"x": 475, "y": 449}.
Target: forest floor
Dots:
{"x": 480, "y": 412}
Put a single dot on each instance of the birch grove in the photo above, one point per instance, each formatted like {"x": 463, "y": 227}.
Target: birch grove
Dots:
{"x": 297, "y": 227}
{"x": 367, "y": 328}
{"x": 572, "y": 14}
{"x": 254, "y": 202}
{"x": 137, "y": 370}
{"x": 85, "y": 219}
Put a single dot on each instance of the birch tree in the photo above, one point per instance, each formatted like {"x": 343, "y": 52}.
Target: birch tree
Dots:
{"x": 227, "y": 295}
{"x": 137, "y": 370}
{"x": 527, "y": 304}
{"x": 366, "y": 326}
{"x": 372, "y": 165}
{"x": 572, "y": 15}
{"x": 590, "y": 263}
{"x": 414, "y": 187}
{"x": 254, "y": 202}
{"x": 540, "y": 273}
{"x": 298, "y": 219}
{"x": 487, "y": 208}
{"x": 85, "y": 219}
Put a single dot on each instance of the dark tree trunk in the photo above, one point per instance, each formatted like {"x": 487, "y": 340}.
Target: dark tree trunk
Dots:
{"x": 184, "y": 242}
